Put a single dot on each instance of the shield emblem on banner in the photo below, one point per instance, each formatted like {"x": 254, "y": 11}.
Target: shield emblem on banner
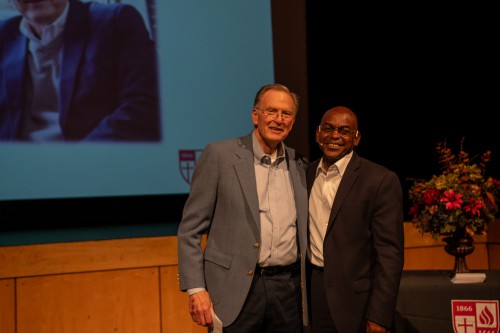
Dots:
{"x": 475, "y": 316}
{"x": 187, "y": 162}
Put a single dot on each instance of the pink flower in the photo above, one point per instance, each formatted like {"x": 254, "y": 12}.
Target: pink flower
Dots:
{"x": 453, "y": 200}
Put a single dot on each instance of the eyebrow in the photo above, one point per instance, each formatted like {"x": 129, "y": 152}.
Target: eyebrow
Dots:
{"x": 330, "y": 125}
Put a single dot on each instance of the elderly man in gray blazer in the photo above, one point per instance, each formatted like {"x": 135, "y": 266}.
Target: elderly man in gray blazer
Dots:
{"x": 248, "y": 195}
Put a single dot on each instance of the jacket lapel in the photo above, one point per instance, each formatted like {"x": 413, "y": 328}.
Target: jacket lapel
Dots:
{"x": 348, "y": 180}
{"x": 311, "y": 175}
{"x": 300, "y": 193}
{"x": 246, "y": 176}
{"x": 14, "y": 66}
{"x": 75, "y": 40}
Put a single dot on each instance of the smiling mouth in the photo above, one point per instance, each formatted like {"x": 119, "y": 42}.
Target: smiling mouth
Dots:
{"x": 277, "y": 129}
{"x": 332, "y": 145}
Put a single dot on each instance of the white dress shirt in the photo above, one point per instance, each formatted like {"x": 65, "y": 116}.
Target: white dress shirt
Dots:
{"x": 321, "y": 201}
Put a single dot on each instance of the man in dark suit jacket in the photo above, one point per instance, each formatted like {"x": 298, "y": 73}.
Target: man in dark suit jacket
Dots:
{"x": 248, "y": 195}
{"x": 356, "y": 238}
{"x": 73, "y": 71}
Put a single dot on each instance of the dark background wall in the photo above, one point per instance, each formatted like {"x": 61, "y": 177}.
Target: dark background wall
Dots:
{"x": 414, "y": 76}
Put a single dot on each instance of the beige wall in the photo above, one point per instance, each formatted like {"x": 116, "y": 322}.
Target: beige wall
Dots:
{"x": 130, "y": 285}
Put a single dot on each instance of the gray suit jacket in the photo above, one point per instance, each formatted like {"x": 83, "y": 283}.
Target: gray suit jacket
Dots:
{"x": 223, "y": 203}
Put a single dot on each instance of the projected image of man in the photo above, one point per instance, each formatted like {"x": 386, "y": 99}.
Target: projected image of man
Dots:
{"x": 72, "y": 71}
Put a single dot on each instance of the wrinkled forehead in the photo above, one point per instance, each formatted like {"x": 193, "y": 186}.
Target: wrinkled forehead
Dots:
{"x": 277, "y": 99}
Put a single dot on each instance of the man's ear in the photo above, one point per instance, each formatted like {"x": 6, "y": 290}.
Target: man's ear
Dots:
{"x": 255, "y": 117}
{"x": 357, "y": 138}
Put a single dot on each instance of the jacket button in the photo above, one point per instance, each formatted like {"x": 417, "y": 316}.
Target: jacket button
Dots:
{"x": 250, "y": 273}
{"x": 257, "y": 245}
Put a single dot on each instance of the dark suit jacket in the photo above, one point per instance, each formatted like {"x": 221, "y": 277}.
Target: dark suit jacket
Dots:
{"x": 364, "y": 245}
{"x": 108, "y": 85}
{"x": 223, "y": 202}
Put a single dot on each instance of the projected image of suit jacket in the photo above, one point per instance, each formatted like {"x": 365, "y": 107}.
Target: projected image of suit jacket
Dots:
{"x": 90, "y": 76}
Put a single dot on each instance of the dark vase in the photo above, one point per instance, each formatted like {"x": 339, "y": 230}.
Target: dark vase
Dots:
{"x": 459, "y": 245}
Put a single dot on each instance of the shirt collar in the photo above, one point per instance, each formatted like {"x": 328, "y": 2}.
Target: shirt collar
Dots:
{"x": 49, "y": 33}
{"x": 259, "y": 153}
{"x": 340, "y": 164}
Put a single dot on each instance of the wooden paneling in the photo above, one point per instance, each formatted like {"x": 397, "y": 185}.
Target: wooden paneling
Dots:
{"x": 58, "y": 258}
{"x": 7, "y": 306}
{"x": 494, "y": 232}
{"x": 130, "y": 285}
{"x": 494, "y": 244}
{"x": 494, "y": 255}
{"x": 436, "y": 258}
{"x": 422, "y": 252}
{"x": 175, "y": 305}
{"x": 126, "y": 301}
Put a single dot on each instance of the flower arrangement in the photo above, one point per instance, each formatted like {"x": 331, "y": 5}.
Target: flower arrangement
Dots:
{"x": 462, "y": 199}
